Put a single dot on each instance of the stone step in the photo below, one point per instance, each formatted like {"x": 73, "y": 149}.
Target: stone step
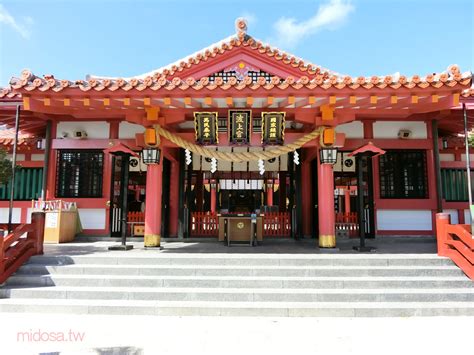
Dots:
{"x": 238, "y": 270}
{"x": 247, "y": 260}
{"x": 241, "y": 295}
{"x": 274, "y": 309}
{"x": 240, "y": 281}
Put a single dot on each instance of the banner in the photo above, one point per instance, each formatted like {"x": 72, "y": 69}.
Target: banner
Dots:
{"x": 273, "y": 127}
{"x": 239, "y": 122}
{"x": 205, "y": 127}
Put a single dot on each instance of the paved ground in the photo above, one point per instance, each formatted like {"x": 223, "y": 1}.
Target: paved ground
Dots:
{"x": 383, "y": 245}
{"x": 203, "y": 335}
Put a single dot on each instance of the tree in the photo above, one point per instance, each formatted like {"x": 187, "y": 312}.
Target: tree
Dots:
{"x": 5, "y": 167}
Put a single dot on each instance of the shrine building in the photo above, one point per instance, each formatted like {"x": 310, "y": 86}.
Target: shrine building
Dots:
{"x": 242, "y": 137}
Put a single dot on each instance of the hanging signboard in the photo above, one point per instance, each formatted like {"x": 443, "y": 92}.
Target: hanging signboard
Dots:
{"x": 273, "y": 127}
{"x": 239, "y": 122}
{"x": 205, "y": 127}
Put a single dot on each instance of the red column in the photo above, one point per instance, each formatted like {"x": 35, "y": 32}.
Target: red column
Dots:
{"x": 153, "y": 205}
{"x": 347, "y": 201}
{"x": 327, "y": 218}
{"x": 270, "y": 193}
{"x": 213, "y": 195}
{"x": 442, "y": 220}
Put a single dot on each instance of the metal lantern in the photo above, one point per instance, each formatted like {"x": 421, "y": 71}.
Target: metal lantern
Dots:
{"x": 328, "y": 155}
{"x": 151, "y": 155}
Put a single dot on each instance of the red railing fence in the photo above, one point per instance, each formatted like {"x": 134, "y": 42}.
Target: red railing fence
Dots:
{"x": 277, "y": 224}
{"x": 348, "y": 223}
{"x": 136, "y": 217}
{"x": 204, "y": 224}
{"x": 456, "y": 242}
{"x": 18, "y": 246}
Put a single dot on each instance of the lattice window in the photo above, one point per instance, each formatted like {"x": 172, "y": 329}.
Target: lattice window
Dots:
{"x": 79, "y": 173}
{"x": 403, "y": 174}
{"x": 259, "y": 74}
{"x": 225, "y": 75}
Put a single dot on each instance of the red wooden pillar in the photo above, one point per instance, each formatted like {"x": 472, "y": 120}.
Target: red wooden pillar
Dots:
{"x": 347, "y": 201}
{"x": 442, "y": 220}
{"x": 327, "y": 218}
{"x": 154, "y": 177}
{"x": 269, "y": 192}
{"x": 213, "y": 195}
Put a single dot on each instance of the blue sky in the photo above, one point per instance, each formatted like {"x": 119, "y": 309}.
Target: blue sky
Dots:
{"x": 124, "y": 38}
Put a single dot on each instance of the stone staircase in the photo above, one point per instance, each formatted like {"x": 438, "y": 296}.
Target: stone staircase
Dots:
{"x": 221, "y": 284}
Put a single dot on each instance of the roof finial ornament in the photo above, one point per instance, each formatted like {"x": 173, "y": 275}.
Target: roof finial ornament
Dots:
{"x": 241, "y": 27}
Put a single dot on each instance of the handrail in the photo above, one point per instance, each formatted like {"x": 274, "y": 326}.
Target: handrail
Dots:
{"x": 15, "y": 250}
{"x": 456, "y": 242}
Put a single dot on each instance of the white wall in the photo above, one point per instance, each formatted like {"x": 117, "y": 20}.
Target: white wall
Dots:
{"x": 404, "y": 220}
{"x": 389, "y": 129}
{"x": 95, "y": 130}
{"x": 454, "y": 216}
{"x": 37, "y": 157}
{"x": 128, "y": 130}
{"x": 92, "y": 218}
{"x": 16, "y": 215}
{"x": 467, "y": 217}
{"x": 352, "y": 130}
{"x": 446, "y": 157}
{"x": 19, "y": 157}
{"x": 471, "y": 157}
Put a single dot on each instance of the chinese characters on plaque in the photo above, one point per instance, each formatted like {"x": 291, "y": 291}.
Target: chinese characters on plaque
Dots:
{"x": 273, "y": 127}
{"x": 240, "y": 126}
{"x": 205, "y": 126}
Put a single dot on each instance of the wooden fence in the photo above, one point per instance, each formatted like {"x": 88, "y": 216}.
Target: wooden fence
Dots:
{"x": 204, "y": 224}
{"x": 456, "y": 242}
{"x": 17, "y": 247}
{"x": 347, "y": 223}
{"x": 277, "y": 224}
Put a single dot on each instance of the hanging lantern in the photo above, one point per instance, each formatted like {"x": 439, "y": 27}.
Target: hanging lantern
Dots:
{"x": 151, "y": 155}
{"x": 328, "y": 155}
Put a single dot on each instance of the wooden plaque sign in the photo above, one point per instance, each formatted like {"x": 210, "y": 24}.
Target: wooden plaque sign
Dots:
{"x": 205, "y": 127}
{"x": 273, "y": 127}
{"x": 239, "y": 123}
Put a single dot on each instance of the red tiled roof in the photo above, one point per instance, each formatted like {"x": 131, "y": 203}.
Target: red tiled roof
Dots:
{"x": 453, "y": 77}
{"x": 7, "y": 137}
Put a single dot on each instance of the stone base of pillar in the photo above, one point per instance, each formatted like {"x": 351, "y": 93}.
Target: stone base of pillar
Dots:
{"x": 327, "y": 241}
{"x": 152, "y": 240}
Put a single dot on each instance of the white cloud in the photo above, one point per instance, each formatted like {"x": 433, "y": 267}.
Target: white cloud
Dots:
{"x": 329, "y": 16}
{"x": 250, "y": 17}
{"x": 7, "y": 19}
